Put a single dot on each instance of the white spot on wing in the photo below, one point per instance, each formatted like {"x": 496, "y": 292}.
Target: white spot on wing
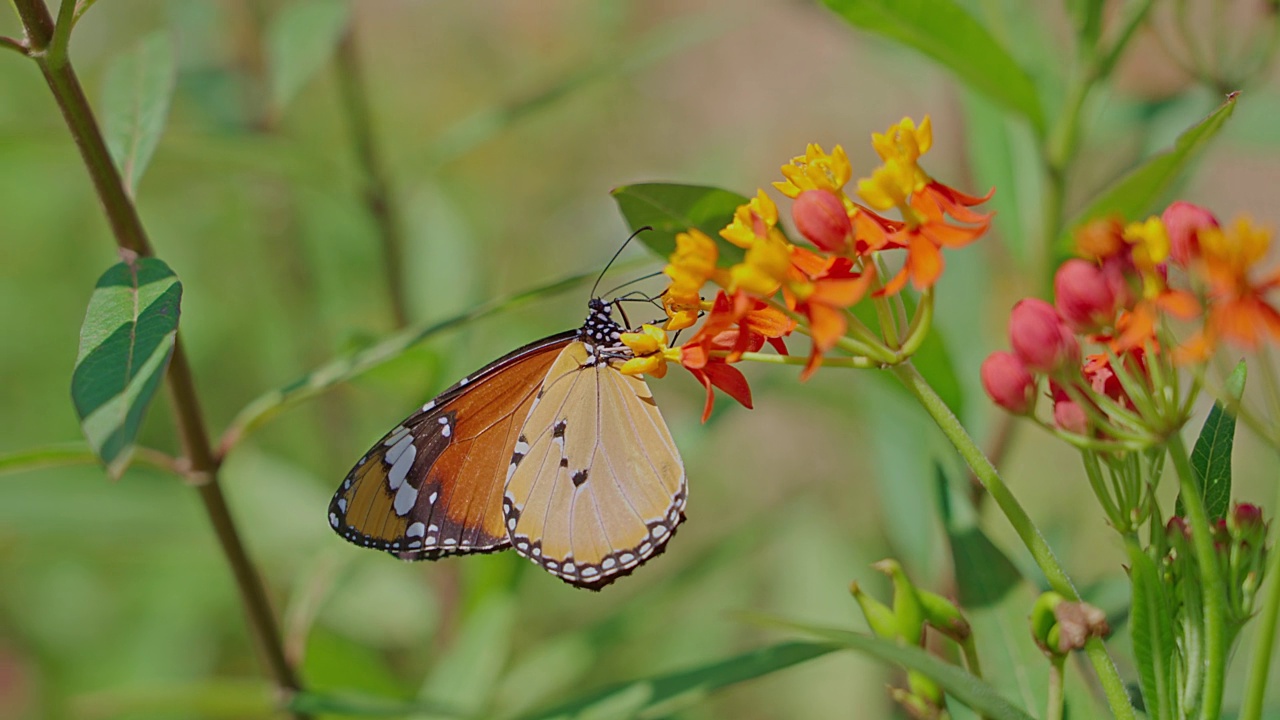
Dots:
{"x": 406, "y": 498}
{"x": 342, "y": 504}
{"x": 333, "y": 519}
{"x": 395, "y": 452}
{"x": 396, "y": 434}
{"x": 396, "y": 476}
{"x": 416, "y": 530}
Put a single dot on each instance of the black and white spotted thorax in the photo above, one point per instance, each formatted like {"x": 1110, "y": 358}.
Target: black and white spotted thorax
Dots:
{"x": 601, "y": 335}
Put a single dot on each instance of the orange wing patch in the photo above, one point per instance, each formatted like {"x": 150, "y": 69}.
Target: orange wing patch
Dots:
{"x": 433, "y": 486}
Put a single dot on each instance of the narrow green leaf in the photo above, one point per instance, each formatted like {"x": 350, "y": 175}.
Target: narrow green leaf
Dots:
{"x": 671, "y": 209}
{"x": 944, "y": 31}
{"x": 301, "y": 39}
{"x": 212, "y": 698}
{"x": 1211, "y": 456}
{"x": 347, "y": 367}
{"x": 1154, "y": 648}
{"x": 125, "y": 345}
{"x": 663, "y": 695}
{"x": 959, "y": 684}
{"x": 136, "y": 93}
{"x": 1138, "y": 192}
{"x": 68, "y": 454}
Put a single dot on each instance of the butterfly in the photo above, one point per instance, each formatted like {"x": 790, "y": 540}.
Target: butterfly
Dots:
{"x": 549, "y": 450}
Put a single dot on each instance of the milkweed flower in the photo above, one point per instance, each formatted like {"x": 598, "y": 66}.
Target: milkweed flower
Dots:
{"x": 816, "y": 170}
{"x": 649, "y": 350}
{"x": 691, "y": 265}
{"x": 734, "y": 326}
{"x": 1238, "y": 308}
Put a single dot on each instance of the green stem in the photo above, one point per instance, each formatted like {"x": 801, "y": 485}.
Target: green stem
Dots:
{"x": 48, "y": 49}
{"x": 772, "y": 359}
{"x": 378, "y": 198}
{"x": 914, "y": 382}
{"x": 1053, "y": 709}
{"x": 1260, "y": 664}
{"x": 1211, "y": 583}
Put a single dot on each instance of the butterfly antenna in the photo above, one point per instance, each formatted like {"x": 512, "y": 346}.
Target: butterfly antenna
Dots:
{"x": 633, "y": 282}
{"x": 615, "y": 257}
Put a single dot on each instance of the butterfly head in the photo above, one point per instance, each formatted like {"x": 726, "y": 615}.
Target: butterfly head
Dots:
{"x": 601, "y": 334}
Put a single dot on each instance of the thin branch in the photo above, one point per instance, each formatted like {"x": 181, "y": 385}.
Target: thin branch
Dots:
{"x": 127, "y": 228}
{"x": 378, "y": 197}
{"x": 9, "y": 43}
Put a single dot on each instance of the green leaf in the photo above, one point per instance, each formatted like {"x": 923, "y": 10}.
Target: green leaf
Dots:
{"x": 944, "y": 31}
{"x": 136, "y": 93}
{"x": 1211, "y": 456}
{"x": 671, "y": 209}
{"x": 1137, "y": 193}
{"x": 958, "y": 683}
{"x": 1154, "y": 648}
{"x": 211, "y": 698}
{"x": 300, "y": 40}
{"x": 125, "y": 345}
{"x": 661, "y": 696}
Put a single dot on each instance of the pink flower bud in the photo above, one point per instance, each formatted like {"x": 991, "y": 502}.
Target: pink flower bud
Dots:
{"x": 1008, "y": 383}
{"x": 1069, "y": 416}
{"x": 1083, "y": 296}
{"x": 1184, "y": 221}
{"x": 1042, "y": 341}
{"x": 821, "y": 217}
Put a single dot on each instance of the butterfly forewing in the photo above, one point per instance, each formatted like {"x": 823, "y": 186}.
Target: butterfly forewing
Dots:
{"x": 596, "y": 486}
{"x": 433, "y": 485}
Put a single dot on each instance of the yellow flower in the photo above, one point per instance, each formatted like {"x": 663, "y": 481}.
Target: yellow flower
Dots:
{"x": 765, "y": 267}
{"x": 649, "y": 346}
{"x": 681, "y": 311}
{"x": 692, "y": 263}
{"x": 901, "y": 148}
{"x": 816, "y": 170}
{"x": 1149, "y": 246}
{"x": 751, "y": 221}
{"x": 904, "y": 142}
{"x": 889, "y": 186}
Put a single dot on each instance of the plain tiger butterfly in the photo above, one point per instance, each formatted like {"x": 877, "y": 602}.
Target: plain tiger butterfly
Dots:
{"x": 549, "y": 450}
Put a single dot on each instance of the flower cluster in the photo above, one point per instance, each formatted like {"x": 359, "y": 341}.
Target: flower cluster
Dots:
{"x": 1108, "y": 344}
{"x": 1240, "y": 542}
{"x": 779, "y": 286}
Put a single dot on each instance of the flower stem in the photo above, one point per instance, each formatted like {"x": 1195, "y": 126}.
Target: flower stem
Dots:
{"x": 1260, "y": 664}
{"x": 1211, "y": 583}
{"x": 1053, "y": 710}
{"x": 48, "y": 49}
{"x": 914, "y": 382}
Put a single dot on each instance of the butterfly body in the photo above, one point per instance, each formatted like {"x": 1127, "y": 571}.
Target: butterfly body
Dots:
{"x": 549, "y": 450}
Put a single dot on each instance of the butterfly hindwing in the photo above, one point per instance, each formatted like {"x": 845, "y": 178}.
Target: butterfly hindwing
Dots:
{"x": 596, "y": 485}
{"x": 433, "y": 485}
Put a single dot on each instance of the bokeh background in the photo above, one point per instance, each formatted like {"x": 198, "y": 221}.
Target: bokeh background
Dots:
{"x": 503, "y": 125}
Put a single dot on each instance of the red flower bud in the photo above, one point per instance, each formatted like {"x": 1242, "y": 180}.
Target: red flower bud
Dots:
{"x": 1040, "y": 338}
{"x": 821, "y": 217}
{"x": 1069, "y": 416}
{"x": 1177, "y": 529}
{"x": 1184, "y": 221}
{"x": 1084, "y": 296}
{"x": 1245, "y": 519}
{"x": 1008, "y": 383}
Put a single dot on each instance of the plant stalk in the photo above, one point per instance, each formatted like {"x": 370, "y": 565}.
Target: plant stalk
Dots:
{"x": 915, "y": 383}
{"x": 126, "y": 227}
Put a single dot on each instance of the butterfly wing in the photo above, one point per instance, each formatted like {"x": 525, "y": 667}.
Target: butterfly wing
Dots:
{"x": 596, "y": 485}
{"x": 431, "y": 486}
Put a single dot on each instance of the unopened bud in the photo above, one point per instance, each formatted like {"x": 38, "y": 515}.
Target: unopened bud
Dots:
{"x": 1040, "y": 338}
{"x": 1008, "y": 382}
{"x": 1184, "y": 221}
{"x": 1083, "y": 296}
{"x": 821, "y": 217}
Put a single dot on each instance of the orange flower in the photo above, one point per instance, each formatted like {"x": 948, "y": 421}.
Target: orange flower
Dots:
{"x": 1238, "y": 308}
{"x": 828, "y": 286}
{"x": 735, "y": 325}
{"x": 926, "y": 231}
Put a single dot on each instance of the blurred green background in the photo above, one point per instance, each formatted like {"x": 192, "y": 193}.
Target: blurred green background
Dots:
{"x": 503, "y": 125}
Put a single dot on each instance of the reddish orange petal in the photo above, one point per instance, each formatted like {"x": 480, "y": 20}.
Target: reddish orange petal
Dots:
{"x": 924, "y": 261}
{"x": 826, "y": 325}
{"x": 1178, "y": 303}
{"x": 729, "y": 379}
